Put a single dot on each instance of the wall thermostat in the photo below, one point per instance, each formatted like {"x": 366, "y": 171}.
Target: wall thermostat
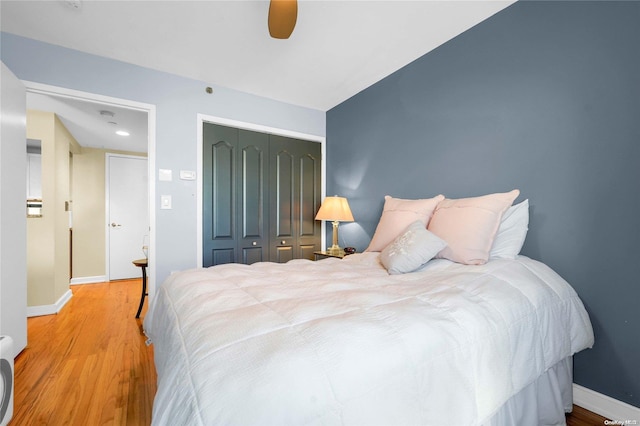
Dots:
{"x": 187, "y": 175}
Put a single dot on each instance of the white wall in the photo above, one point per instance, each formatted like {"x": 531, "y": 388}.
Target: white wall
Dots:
{"x": 13, "y": 215}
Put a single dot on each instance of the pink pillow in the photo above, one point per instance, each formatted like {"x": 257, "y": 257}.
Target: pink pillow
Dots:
{"x": 397, "y": 215}
{"x": 469, "y": 226}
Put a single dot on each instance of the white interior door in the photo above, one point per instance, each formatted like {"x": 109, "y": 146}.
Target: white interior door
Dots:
{"x": 127, "y": 214}
{"x": 13, "y": 221}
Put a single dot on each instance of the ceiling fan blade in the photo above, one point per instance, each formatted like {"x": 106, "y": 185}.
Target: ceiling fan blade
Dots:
{"x": 282, "y": 18}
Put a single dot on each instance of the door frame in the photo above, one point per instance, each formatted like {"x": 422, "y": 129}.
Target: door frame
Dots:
{"x": 150, "y": 109}
{"x": 204, "y": 118}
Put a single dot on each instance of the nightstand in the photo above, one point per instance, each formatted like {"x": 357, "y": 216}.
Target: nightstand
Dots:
{"x": 142, "y": 263}
{"x": 325, "y": 254}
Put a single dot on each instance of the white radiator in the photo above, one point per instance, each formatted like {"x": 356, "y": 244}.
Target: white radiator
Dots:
{"x": 6, "y": 379}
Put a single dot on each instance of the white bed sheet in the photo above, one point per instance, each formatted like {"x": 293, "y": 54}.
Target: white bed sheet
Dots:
{"x": 343, "y": 342}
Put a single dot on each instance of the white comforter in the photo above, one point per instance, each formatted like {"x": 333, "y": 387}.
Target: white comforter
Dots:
{"x": 343, "y": 342}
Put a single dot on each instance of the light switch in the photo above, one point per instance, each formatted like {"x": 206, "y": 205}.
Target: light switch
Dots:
{"x": 165, "y": 175}
{"x": 165, "y": 202}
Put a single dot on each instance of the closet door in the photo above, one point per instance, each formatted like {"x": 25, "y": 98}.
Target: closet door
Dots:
{"x": 310, "y": 175}
{"x": 282, "y": 210}
{"x": 253, "y": 196}
{"x": 295, "y": 173}
{"x": 219, "y": 195}
{"x": 260, "y": 196}
{"x": 235, "y": 195}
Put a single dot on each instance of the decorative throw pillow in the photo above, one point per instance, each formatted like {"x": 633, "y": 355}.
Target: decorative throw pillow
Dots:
{"x": 411, "y": 249}
{"x": 397, "y": 214}
{"x": 469, "y": 226}
{"x": 512, "y": 232}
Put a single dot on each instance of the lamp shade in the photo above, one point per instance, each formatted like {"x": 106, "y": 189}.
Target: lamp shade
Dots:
{"x": 335, "y": 209}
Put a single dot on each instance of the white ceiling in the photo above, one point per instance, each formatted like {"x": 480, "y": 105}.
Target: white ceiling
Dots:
{"x": 337, "y": 49}
{"x": 92, "y": 129}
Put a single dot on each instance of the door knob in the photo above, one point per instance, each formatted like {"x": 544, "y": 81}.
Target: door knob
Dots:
{"x": 115, "y": 225}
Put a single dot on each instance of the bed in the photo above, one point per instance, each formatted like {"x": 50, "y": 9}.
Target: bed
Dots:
{"x": 343, "y": 342}
{"x": 414, "y": 331}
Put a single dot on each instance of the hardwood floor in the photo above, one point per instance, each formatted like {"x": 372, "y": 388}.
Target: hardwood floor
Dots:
{"x": 582, "y": 417}
{"x": 89, "y": 365}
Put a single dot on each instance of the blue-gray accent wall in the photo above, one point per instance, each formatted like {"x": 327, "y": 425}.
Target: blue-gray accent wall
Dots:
{"x": 544, "y": 97}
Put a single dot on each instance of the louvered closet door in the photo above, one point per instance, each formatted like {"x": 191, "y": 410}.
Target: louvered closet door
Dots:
{"x": 295, "y": 173}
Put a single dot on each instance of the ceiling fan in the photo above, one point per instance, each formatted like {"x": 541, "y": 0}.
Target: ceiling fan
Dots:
{"x": 282, "y": 18}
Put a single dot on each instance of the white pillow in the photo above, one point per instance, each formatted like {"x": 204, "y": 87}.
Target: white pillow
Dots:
{"x": 512, "y": 232}
{"x": 411, "y": 249}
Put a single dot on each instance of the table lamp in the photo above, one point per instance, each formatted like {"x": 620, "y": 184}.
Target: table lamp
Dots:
{"x": 336, "y": 209}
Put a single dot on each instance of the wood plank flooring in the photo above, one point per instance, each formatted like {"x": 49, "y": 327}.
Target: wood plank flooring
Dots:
{"x": 89, "y": 365}
{"x": 583, "y": 417}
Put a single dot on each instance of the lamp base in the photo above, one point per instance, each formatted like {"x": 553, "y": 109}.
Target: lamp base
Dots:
{"x": 334, "y": 250}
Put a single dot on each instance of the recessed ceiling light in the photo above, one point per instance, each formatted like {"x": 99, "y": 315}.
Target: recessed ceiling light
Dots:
{"x": 122, "y": 133}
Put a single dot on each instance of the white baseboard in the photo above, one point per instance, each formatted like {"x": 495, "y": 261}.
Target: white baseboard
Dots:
{"x": 88, "y": 280}
{"x": 604, "y": 405}
{"x": 36, "y": 311}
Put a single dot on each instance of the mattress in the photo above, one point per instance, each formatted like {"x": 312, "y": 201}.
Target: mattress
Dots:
{"x": 343, "y": 342}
